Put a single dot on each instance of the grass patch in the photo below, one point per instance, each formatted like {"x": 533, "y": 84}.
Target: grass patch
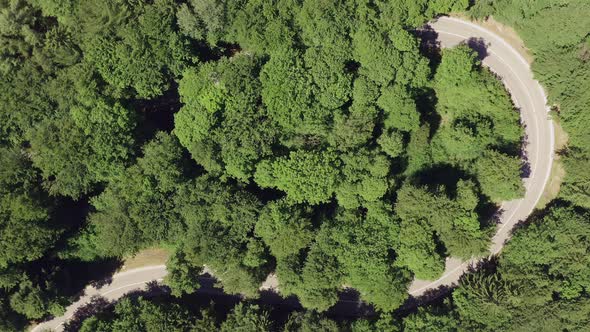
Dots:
{"x": 146, "y": 257}
{"x": 557, "y": 171}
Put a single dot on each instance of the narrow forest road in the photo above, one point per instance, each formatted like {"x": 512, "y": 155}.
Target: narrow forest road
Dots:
{"x": 527, "y": 95}
{"x": 122, "y": 283}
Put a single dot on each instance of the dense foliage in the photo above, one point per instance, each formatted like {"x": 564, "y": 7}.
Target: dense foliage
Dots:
{"x": 139, "y": 313}
{"x": 311, "y": 139}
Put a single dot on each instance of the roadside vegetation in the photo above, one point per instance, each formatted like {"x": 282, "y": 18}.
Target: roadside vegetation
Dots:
{"x": 312, "y": 139}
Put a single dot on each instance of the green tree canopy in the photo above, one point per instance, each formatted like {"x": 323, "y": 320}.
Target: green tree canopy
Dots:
{"x": 24, "y": 209}
{"x": 285, "y": 228}
{"x": 139, "y": 205}
{"x": 305, "y": 176}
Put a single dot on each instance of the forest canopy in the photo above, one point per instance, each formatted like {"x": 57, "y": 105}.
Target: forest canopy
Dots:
{"x": 318, "y": 141}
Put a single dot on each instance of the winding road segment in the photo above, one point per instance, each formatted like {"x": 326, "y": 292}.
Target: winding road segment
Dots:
{"x": 527, "y": 95}
{"x": 121, "y": 284}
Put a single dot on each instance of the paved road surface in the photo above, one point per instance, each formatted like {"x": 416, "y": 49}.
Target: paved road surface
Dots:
{"x": 122, "y": 283}
{"x": 527, "y": 95}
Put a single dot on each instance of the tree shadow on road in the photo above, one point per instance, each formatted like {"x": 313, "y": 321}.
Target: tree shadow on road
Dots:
{"x": 480, "y": 46}
{"x": 97, "y": 304}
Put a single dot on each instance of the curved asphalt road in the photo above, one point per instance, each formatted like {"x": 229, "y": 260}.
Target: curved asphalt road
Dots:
{"x": 527, "y": 95}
